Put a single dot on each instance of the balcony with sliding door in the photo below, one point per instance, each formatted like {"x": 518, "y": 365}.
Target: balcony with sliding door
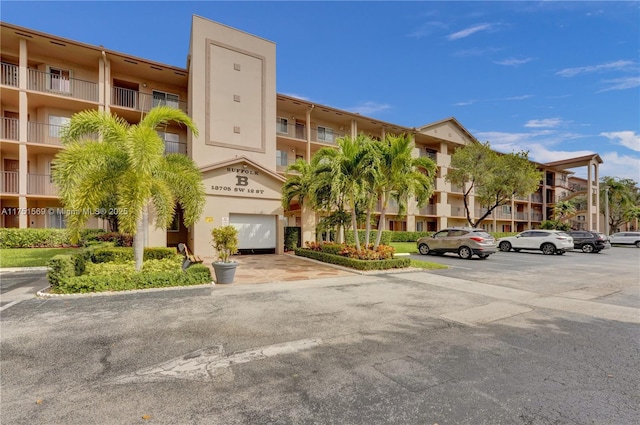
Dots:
{"x": 57, "y": 88}
{"x": 130, "y": 102}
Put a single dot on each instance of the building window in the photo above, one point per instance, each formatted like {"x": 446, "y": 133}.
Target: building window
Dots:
{"x": 175, "y": 223}
{"x": 165, "y": 99}
{"x": 419, "y": 226}
{"x": 325, "y": 134}
{"x": 59, "y": 80}
{"x": 55, "y": 125}
{"x": 281, "y": 158}
{"x": 506, "y": 209}
{"x": 282, "y": 125}
{"x": 171, "y": 142}
{"x": 57, "y": 219}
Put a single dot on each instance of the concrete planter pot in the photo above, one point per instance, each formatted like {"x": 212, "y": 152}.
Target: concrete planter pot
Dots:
{"x": 225, "y": 272}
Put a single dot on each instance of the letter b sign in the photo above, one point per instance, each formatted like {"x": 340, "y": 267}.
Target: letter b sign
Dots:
{"x": 242, "y": 181}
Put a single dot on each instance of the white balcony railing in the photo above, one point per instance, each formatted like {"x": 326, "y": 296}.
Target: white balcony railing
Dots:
{"x": 9, "y": 183}
{"x": 10, "y": 129}
{"x": 299, "y": 131}
{"x": 458, "y": 212}
{"x": 175, "y": 147}
{"x": 133, "y": 99}
{"x": 9, "y": 75}
{"x": 429, "y": 209}
{"x": 55, "y": 84}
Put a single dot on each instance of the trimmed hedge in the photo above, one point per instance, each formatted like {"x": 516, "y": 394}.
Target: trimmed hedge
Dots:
{"x": 394, "y": 263}
{"x": 407, "y": 236}
{"x": 45, "y": 238}
{"x": 122, "y": 254}
{"x": 385, "y": 240}
{"x": 197, "y": 274}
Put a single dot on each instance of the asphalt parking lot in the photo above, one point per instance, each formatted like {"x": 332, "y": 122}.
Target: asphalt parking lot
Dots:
{"x": 518, "y": 338}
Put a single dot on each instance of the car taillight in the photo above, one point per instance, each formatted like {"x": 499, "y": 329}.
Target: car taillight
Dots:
{"x": 477, "y": 239}
{"x": 561, "y": 238}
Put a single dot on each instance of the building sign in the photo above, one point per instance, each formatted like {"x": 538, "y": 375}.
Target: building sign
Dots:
{"x": 243, "y": 180}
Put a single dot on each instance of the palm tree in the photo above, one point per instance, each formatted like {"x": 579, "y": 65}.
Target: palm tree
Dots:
{"x": 128, "y": 162}
{"x": 400, "y": 176}
{"x": 562, "y": 210}
{"x": 348, "y": 168}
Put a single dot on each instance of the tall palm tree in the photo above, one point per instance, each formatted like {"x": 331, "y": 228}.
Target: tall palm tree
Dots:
{"x": 127, "y": 161}
{"x": 348, "y": 167}
{"x": 400, "y": 176}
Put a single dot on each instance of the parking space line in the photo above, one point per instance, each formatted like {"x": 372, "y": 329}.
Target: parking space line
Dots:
{"x": 12, "y": 303}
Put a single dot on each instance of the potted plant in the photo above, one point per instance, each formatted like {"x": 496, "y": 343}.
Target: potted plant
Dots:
{"x": 225, "y": 241}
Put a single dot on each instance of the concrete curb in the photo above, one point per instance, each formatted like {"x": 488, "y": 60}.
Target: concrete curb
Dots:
{"x": 23, "y": 269}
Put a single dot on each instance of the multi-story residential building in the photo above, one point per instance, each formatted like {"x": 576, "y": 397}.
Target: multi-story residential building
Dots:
{"x": 248, "y": 135}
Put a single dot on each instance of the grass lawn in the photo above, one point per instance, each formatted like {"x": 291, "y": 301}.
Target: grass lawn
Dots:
{"x": 405, "y": 247}
{"x": 30, "y": 257}
{"x": 411, "y": 248}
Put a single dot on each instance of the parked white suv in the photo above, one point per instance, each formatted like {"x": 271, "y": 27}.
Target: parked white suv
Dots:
{"x": 625, "y": 238}
{"x": 548, "y": 241}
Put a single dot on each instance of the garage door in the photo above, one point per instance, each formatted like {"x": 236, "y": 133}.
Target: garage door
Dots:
{"x": 256, "y": 233}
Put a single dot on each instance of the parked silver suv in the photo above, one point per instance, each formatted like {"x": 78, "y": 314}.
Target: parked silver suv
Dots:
{"x": 465, "y": 241}
{"x": 625, "y": 238}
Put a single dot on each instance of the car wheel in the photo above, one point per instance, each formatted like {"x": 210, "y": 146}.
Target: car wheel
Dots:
{"x": 548, "y": 249}
{"x": 465, "y": 252}
{"x": 637, "y": 244}
{"x": 505, "y": 246}
{"x": 483, "y": 256}
{"x": 588, "y": 248}
{"x": 560, "y": 252}
{"x": 424, "y": 249}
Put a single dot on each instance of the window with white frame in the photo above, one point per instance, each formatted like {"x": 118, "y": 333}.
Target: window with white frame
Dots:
{"x": 282, "y": 125}
{"x": 55, "y": 125}
{"x": 161, "y": 98}
{"x": 59, "y": 80}
{"x": 281, "y": 158}
{"x": 325, "y": 134}
{"x": 506, "y": 209}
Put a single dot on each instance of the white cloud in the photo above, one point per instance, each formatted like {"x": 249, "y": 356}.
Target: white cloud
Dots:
{"x": 426, "y": 29}
{"x": 513, "y": 61}
{"x": 623, "y": 166}
{"x": 628, "y": 139}
{"x": 367, "y": 108}
{"x": 548, "y": 122}
{"x": 620, "y": 65}
{"x": 296, "y": 96}
{"x": 621, "y": 83}
{"x": 471, "y": 102}
{"x": 468, "y": 31}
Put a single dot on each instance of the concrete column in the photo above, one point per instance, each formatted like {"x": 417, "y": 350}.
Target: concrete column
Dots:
{"x": 23, "y": 114}
{"x": 308, "y": 124}
{"x": 597, "y": 186}
{"x": 590, "y": 196}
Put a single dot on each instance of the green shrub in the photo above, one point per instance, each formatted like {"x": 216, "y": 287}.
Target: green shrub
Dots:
{"x": 291, "y": 238}
{"x": 118, "y": 239}
{"x": 498, "y": 235}
{"x": 61, "y": 268}
{"x": 393, "y": 263}
{"x": 407, "y": 236}
{"x": 385, "y": 240}
{"x": 123, "y": 254}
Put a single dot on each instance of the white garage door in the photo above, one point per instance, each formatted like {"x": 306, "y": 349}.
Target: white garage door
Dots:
{"x": 255, "y": 231}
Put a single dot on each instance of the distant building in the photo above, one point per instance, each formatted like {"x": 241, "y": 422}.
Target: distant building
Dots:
{"x": 249, "y": 134}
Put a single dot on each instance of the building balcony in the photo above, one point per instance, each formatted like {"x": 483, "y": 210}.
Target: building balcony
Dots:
{"x": 10, "y": 129}
{"x": 537, "y": 198}
{"x": 46, "y": 134}
{"x": 536, "y": 217}
{"x": 175, "y": 147}
{"x": 456, "y": 189}
{"x": 9, "y": 183}
{"x": 74, "y": 88}
{"x": 41, "y": 184}
{"x": 458, "y": 212}
{"x": 9, "y": 75}
{"x": 144, "y": 102}
{"x": 299, "y": 131}
{"x": 521, "y": 216}
{"x": 429, "y": 209}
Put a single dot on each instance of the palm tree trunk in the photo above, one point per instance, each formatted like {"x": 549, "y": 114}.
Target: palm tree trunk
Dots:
{"x": 138, "y": 244}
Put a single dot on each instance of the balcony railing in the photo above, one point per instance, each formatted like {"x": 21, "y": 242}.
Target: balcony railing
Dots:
{"x": 47, "y": 134}
{"x": 501, "y": 215}
{"x": 297, "y": 131}
{"x": 522, "y": 216}
{"x": 536, "y": 217}
{"x": 10, "y": 129}
{"x": 175, "y": 147}
{"x": 458, "y": 212}
{"x": 536, "y": 197}
{"x": 282, "y": 166}
{"x": 574, "y": 187}
{"x": 428, "y": 210}
{"x": 455, "y": 188}
{"x": 9, "y": 183}
{"x": 52, "y": 83}
{"x": 40, "y": 184}
{"x": 9, "y": 75}
{"x": 133, "y": 99}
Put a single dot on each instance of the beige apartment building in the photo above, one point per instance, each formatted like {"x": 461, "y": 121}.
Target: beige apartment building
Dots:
{"x": 248, "y": 135}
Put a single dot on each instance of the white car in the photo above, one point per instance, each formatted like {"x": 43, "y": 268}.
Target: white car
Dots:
{"x": 625, "y": 238}
{"x": 548, "y": 241}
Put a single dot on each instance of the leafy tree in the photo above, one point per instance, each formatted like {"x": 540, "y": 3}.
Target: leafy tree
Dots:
{"x": 623, "y": 199}
{"x": 491, "y": 177}
{"x": 400, "y": 176}
{"x": 126, "y": 161}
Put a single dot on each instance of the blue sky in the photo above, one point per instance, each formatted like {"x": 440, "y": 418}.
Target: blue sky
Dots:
{"x": 558, "y": 79}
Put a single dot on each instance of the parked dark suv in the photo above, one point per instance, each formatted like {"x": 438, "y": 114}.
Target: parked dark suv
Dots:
{"x": 589, "y": 241}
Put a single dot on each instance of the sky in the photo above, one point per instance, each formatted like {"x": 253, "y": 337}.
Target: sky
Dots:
{"x": 556, "y": 79}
